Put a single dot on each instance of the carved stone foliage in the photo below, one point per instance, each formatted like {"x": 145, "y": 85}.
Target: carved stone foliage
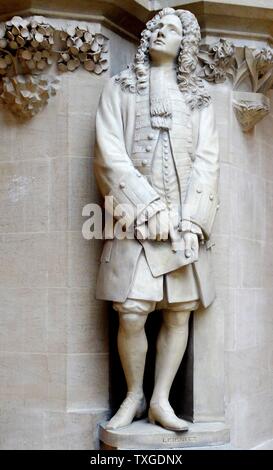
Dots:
{"x": 247, "y": 68}
{"x": 250, "y": 108}
{"x": 26, "y": 95}
{"x": 29, "y": 46}
{"x": 82, "y": 47}
{"x": 253, "y": 70}
{"x": 26, "y": 45}
{"x": 251, "y": 73}
{"x": 217, "y": 60}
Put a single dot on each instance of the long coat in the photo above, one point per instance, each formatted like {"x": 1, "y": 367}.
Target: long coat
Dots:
{"x": 117, "y": 175}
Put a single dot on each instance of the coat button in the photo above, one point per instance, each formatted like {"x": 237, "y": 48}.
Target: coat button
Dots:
{"x": 211, "y": 197}
{"x": 138, "y": 113}
{"x": 165, "y": 138}
{"x": 148, "y": 148}
{"x": 199, "y": 190}
{"x": 166, "y": 165}
{"x": 217, "y": 207}
{"x": 151, "y": 136}
{"x": 122, "y": 184}
{"x": 144, "y": 162}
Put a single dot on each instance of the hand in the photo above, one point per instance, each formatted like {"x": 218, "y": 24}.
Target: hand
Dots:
{"x": 156, "y": 228}
{"x": 191, "y": 243}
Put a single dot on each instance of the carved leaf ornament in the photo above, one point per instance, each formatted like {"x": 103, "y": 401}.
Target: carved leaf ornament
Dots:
{"x": 248, "y": 69}
{"x": 28, "y": 47}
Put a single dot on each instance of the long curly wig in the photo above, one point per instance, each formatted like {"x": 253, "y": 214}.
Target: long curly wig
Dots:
{"x": 135, "y": 79}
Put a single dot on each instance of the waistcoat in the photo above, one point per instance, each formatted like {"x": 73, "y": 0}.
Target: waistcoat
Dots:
{"x": 180, "y": 137}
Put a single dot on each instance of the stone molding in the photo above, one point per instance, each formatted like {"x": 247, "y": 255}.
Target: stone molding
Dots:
{"x": 236, "y": 18}
{"x": 30, "y": 46}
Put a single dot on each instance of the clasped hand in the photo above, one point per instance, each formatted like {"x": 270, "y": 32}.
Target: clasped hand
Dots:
{"x": 159, "y": 228}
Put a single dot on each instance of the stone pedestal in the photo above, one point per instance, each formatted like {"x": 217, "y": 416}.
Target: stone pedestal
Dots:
{"x": 143, "y": 435}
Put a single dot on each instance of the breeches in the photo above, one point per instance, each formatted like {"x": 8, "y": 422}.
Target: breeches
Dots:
{"x": 143, "y": 307}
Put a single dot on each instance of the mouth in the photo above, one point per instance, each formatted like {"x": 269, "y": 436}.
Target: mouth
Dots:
{"x": 159, "y": 41}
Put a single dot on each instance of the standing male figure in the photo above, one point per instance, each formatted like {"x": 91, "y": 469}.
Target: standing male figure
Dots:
{"x": 157, "y": 153}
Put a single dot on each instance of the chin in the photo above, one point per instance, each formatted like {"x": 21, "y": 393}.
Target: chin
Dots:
{"x": 157, "y": 47}
{"x": 156, "y": 52}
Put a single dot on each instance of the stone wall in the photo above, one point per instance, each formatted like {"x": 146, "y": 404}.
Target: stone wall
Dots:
{"x": 247, "y": 178}
{"x": 53, "y": 333}
{"x": 234, "y": 363}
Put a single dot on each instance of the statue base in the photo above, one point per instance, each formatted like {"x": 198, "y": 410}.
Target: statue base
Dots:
{"x": 144, "y": 435}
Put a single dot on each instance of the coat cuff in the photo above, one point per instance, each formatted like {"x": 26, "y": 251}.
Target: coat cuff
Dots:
{"x": 200, "y": 207}
{"x": 133, "y": 195}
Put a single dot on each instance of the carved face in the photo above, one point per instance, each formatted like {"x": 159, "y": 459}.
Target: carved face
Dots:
{"x": 166, "y": 39}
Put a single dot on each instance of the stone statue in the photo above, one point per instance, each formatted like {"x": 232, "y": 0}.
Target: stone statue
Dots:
{"x": 157, "y": 154}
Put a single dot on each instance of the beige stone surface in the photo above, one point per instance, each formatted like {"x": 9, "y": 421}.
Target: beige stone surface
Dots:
{"x": 17, "y": 252}
{"x": 58, "y": 194}
{"x": 20, "y": 183}
{"x": 82, "y": 269}
{"x": 57, "y": 320}
{"x": 21, "y": 429}
{"x": 267, "y": 445}
{"x": 57, "y": 382}
{"x": 209, "y": 372}
{"x": 246, "y": 318}
{"x": 249, "y": 427}
{"x": 23, "y": 320}
{"x": 82, "y": 190}
{"x": 57, "y": 259}
{"x": 248, "y": 328}
{"x": 87, "y": 330}
{"x": 52, "y": 430}
{"x": 24, "y": 379}
{"x": 87, "y": 381}
{"x": 72, "y": 431}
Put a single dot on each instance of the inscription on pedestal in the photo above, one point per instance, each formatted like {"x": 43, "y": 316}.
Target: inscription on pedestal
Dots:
{"x": 173, "y": 440}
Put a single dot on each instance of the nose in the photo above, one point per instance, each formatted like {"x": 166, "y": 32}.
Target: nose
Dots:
{"x": 161, "y": 32}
